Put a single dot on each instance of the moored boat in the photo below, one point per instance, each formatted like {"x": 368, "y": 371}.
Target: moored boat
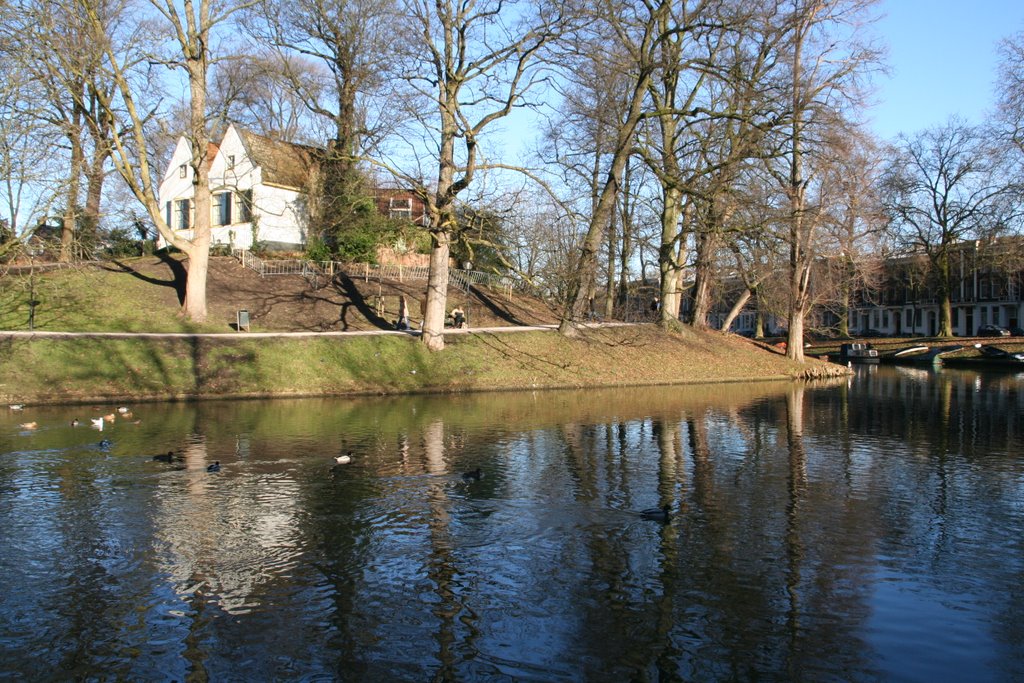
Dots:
{"x": 858, "y": 352}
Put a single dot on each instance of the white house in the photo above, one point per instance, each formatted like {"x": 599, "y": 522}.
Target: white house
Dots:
{"x": 258, "y": 187}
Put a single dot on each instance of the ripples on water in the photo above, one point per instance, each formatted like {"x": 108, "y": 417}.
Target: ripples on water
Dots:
{"x": 853, "y": 532}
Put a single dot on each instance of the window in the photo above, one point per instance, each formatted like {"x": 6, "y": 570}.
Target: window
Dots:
{"x": 183, "y": 214}
{"x": 183, "y": 171}
{"x": 231, "y": 161}
{"x": 243, "y": 206}
{"x": 222, "y": 208}
{"x": 400, "y": 209}
{"x": 168, "y": 214}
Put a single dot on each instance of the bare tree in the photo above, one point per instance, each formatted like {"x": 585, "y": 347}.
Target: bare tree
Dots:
{"x": 633, "y": 33}
{"x": 824, "y": 68}
{"x": 193, "y": 29}
{"x": 474, "y": 62}
{"x": 65, "y": 64}
{"x": 29, "y": 169}
{"x": 1010, "y": 89}
{"x": 946, "y": 185}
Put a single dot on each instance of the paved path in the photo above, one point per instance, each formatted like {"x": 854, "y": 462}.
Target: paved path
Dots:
{"x": 46, "y": 334}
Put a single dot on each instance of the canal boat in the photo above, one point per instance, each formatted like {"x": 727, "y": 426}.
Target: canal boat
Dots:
{"x": 904, "y": 356}
{"x": 934, "y": 356}
{"x": 858, "y": 352}
{"x": 991, "y": 357}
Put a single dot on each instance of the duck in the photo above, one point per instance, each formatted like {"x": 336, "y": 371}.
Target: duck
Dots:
{"x": 110, "y": 418}
{"x": 168, "y": 457}
{"x": 29, "y": 425}
{"x": 17, "y": 406}
{"x": 105, "y": 444}
{"x": 75, "y": 422}
{"x": 123, "y": 410}
{"x": 215, "y": 467}
{"x": 473, "y": 475}
{"x": 343, "y": 459}
{"x": 97, "y": 422}
{"x": 661, "y": 514}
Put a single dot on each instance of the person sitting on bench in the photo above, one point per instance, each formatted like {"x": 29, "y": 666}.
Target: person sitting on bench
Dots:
{"x": 458, "y": 317}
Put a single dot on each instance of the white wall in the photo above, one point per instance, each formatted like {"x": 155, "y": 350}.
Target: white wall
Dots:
{"x": 282, "y": 212}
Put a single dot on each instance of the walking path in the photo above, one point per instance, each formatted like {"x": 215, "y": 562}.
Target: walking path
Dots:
{"x": 47, "y": 334}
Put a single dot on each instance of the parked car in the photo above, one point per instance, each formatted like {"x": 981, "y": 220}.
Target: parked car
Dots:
{"x": 993, "y": 331}
{"x": 1016, "y": 332}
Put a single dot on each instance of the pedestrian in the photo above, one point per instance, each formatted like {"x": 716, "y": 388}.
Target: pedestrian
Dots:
{"x": 403, "y": 314}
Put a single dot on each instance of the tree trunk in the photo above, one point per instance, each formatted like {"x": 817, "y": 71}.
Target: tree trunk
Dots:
{"x": 703, "y": 278}
{"x": 69, "y": 222}
{"x": 736, "y": 309}
{"x": 437, "y": 290}
{"x": 95, "y": 176}
{"x": 799, "y": 268}
{"x": 669, "y": 267}
{"x": 609, "y": 289}
{"x": 583, "y": 281}
{"x": 944, "y": 296}
{"x": 198, "y": 252}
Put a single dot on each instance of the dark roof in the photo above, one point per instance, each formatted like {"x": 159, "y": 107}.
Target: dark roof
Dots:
{"x": 283, "y": 163}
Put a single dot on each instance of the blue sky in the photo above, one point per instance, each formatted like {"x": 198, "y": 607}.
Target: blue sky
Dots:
{"x": 942, "y": 56}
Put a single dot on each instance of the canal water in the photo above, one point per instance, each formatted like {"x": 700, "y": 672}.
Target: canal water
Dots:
{"x": 866, "y": 529}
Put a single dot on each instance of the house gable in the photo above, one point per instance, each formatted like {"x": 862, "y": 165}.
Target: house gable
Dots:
{"x": 282, "y": 164}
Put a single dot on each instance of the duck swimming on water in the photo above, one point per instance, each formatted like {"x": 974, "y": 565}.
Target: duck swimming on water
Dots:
{"x": 343, "y": 459}
{"x": 215, "y": 467}
{"x": 661, "y": 514}
{"x": 473, "y": 475}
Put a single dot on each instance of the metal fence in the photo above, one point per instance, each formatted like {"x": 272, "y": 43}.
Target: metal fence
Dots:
{"x": 313, "y": 270}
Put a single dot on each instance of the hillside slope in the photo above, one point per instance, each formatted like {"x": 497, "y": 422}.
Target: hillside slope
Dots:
{"x": 144, "y": 294}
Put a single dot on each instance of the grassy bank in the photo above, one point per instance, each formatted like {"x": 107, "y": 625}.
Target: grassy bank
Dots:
{"x": 46, "y": 370}
{"x": 142, "y": 295}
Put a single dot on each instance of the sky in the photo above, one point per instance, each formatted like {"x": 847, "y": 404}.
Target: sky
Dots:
{"x": 943, "y": 60}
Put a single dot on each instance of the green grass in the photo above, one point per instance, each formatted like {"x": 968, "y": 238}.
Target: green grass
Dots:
{"x": 41, "y": 370}
{"x": 110, "y": 299}
{"x": 91, "y": 299}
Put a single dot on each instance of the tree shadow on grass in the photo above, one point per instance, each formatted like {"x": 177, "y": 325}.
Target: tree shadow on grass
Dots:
{"x": 499, "y": 311}
{"x": 179, "y": 274}
{"x": 346, "y": 286}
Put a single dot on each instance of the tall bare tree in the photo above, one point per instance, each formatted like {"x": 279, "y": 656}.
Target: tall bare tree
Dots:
{"x": 1010, "y": 88}
{"x": 65, "y": 64}
{"x": 30, "y": 171}
{"x": 474, "y": 62}
{"x": 826, "y": 60}
{"x": 193, "y": 30}
{"x": 633, "y": 33}
{"x": 945, "y": 185}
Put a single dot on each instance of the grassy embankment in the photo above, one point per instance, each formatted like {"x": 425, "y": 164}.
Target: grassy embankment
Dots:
{"x": 90, "y": 369}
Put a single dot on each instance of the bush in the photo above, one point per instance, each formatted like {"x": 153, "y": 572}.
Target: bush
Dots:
{"x": 317, "y": 250}
{"x": 120, "y": 243}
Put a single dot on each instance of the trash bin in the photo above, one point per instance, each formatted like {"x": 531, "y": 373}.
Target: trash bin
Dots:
{"x": 242, "y": 320}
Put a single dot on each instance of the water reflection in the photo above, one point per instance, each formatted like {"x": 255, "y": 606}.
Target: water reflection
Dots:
{"x": 855, "y": 530}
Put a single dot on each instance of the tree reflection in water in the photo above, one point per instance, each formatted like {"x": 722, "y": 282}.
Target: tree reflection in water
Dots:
{"x": 852, "y": 530}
